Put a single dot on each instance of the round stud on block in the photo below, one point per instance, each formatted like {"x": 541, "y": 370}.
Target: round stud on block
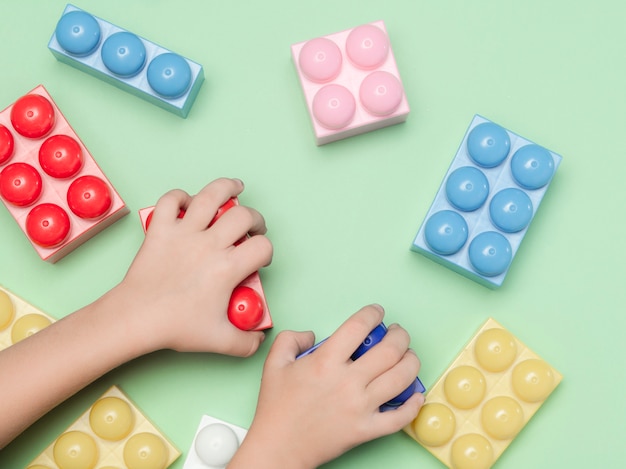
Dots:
{"x": 20, "y": 184}
{"x": 245, "y": 309}
{"x": 367, "y": 47}
{"x": 75, "y": 449}
{"x": 533, "y": 380}
{"x": 532, "y": 166}
{"x": 60, "y": 156}
{"x": 32, "y": 116}
{"x": 511, "y": 210}
{"x": 488, "y": 144}
{"x": 446, "y": 232}
{"x": 502, "y": 417}
{"x": 471, "y": 451}
{"x": 381, "y": 93}
{"x": 333, "y": 107}
{"x": 28, "y": 325}
{"x": 375, "y": 336}
{"x": 145, "y": 451}
{"x": 434, "y": 425}
{"x": 78, "y": 33}
{"x": 169, "y": 75}
{"x": 490, "y": 253}
{"x": 465, "y": 387}
{"x": 7, "y": 311}
{"x": 47, "y": 225}
{"x": 124, "y": 54}
{"x": 495, "y": 350}
{"x": 7, "y": 144}
{"x": 89, "y": 197}
{"x": 216, "y": 444}
{"x": 467, "y": 188}
{"x": 320, "y": 60}
{"x": 111, "y": 418}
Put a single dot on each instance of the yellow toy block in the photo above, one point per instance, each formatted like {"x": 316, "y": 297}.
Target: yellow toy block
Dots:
{"x": 18, "y": 319}
{"x": 482, "y": 401}
{"x": 112, "y": 433}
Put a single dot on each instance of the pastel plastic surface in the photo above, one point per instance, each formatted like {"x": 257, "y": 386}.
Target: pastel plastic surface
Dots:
{"x": 374, "y": 337}
{"x": 50, "y": 183}
{"x": 126, "y": 60}
{"x": 214, "y": 444}
{"x": 19, "y": 319}
{"x": 253, "y": 281}
{"x": 482, "y": 401}
{"x": 486, "y": 202}
{"x": 350, "y": 81}
{"x": 113, "y": 432}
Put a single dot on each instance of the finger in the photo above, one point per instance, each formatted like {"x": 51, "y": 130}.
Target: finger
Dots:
{"x": 396, "y": 380}
{"x": 251, "y": 255}
{"x": 347, "y": 338}
{"x": 287, "y": 346}
{"x": 206, "y": 203}
{"x": 385, "y": 423}
{"x": 169, "y": 206}
{"x": 235, "y": 224}
{"x": 385, "y": 354}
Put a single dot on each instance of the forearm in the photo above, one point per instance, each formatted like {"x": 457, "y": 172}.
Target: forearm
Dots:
{"x": 43, "y": 370}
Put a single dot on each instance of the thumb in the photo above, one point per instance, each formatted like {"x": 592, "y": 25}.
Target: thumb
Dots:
{"x": 287, "y": 346}
{"x": 244, "y": 343}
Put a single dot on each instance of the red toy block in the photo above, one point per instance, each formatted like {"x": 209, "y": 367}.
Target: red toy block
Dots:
{"x": 248, "y": 308}
{"x": 350, "y": 81}
{"x": 49, "y": 181}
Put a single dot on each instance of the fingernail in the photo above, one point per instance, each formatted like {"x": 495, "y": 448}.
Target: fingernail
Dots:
{"x": 378, "y": 307}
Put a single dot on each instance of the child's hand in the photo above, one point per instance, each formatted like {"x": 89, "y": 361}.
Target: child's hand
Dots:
{"x": 318, "y": 407}
{"x": 178, "y": 287}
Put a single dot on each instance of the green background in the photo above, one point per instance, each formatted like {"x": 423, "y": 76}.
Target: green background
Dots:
{"x": 342, "y": 216}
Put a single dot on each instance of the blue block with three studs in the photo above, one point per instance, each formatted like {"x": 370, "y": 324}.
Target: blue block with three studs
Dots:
{"x": 486, "y": 202}
{"x": 127, "y": 61}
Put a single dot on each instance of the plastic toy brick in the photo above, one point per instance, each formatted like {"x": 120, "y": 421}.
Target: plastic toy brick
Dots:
{"x": 486, "y": 202}
{"x": 372, "y": 339}
{"x": 126, "y": 60}
{"x": 247, "y": 308}
{"x": 350, "y": 82}
{"x": 49, "y": 182}
{"x": 482, "y": 401}
{"x": 113, "y": 432}
{"x": 214, "y": 444}
{"x": 19, "y": 319}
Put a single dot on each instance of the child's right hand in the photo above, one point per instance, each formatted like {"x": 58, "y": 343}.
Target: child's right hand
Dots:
{"x": 176, "y": 292}
{"x": 313, "y": 409}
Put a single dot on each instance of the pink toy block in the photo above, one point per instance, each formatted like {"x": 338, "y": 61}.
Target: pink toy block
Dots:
{"x": 350, "y": 81}
{"x": 49, "y": 181}
{"x": 248, "y": 308}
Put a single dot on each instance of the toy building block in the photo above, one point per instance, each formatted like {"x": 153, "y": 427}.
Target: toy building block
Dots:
{"x": 214, "y": 444}
{"x": 113, "y": 432}
{"x": 350, "y": 82}
{"x": 126, "y": 60}
{"x": 247, "y": 308}
{"x": 374, "y": 337}
{"x": 49, "y": 182}
{"x": 482, "y": 401}
{"x": 19, "y": 319}
{"x": 486, "y": 202}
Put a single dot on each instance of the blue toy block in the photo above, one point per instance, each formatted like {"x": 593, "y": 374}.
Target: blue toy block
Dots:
{"x": 375, "y": 336}
{"x": 486, "y": 202}
{"x": 126, "y": 60}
